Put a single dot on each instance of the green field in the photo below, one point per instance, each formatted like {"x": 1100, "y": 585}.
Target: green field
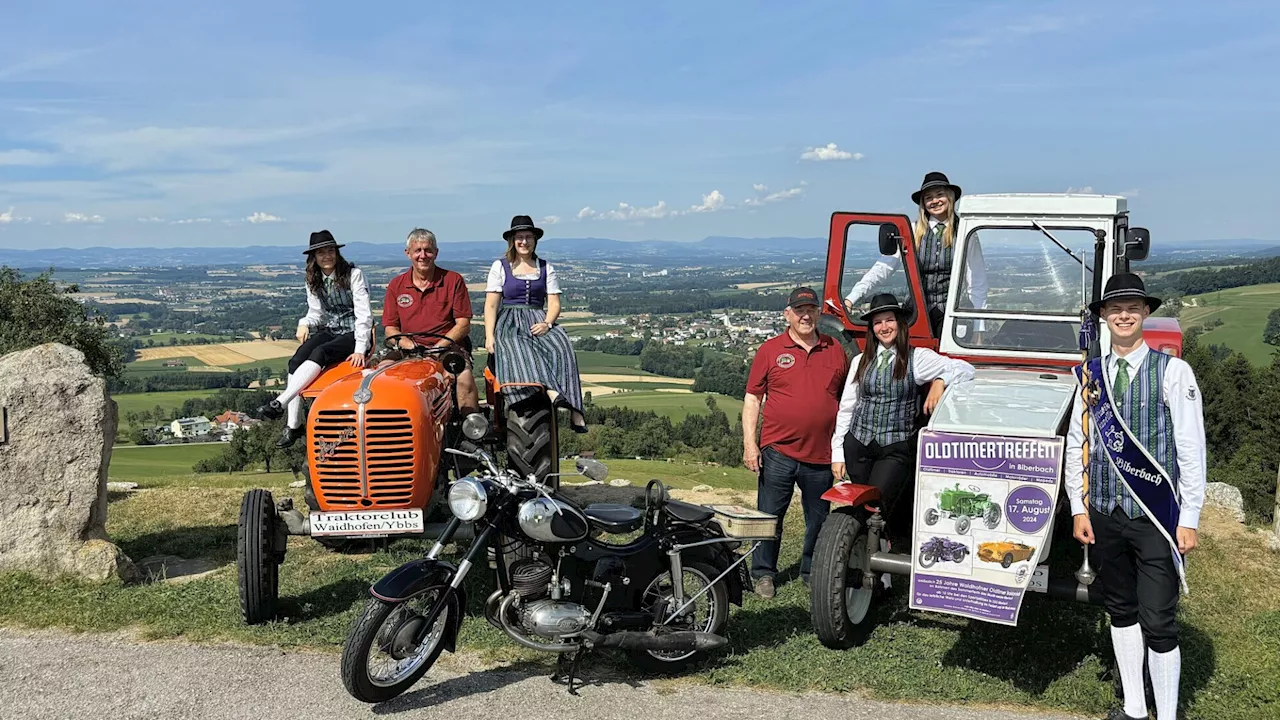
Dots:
{"x": 153, "y": 367}
{"x": 680, "y": 475}
{"x": 623, "y": 385}
{"x": 673, "y": 405}
{"x": 591, "y": 361}
{"x": 1243, "y": 312}
{"x": 137, "y": 402}
{"x": 162, "y": 339}
{"x": 148, "y": 463}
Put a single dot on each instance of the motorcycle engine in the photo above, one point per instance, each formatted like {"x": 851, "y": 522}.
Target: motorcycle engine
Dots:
{"x": 553, "y": 619}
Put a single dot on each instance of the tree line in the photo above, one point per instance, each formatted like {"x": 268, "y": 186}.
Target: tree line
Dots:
{"x": 624, "y": 432}
{"x": 1196, "y": 282}
{"x": 675, "y": 303}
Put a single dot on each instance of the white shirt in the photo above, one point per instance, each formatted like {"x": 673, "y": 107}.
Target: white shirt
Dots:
{"x": 975, "y": 273}
{"x": 497, "y": 276}
{"x": 360, "y": 298}
{"x": 1182, "y": 396}
{"x": 927, "y": 366}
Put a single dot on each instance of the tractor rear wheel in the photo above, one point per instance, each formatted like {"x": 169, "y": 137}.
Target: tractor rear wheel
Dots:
{"x": 839, "y": 602}
{"x": 257, "y": 564}
{"x": 531, "y": 437}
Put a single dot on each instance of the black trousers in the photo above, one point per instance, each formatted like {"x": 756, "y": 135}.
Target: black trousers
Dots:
{"x": 889, "y": 468}
{"x": 1139, "y": 578}
{"x": 323, "y": 348}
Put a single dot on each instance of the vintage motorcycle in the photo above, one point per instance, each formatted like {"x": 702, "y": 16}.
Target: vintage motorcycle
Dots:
{"x": 940, "y": 548}
{"x": 559, "y": 588}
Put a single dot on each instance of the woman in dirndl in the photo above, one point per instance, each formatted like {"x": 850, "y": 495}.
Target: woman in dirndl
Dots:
{"x": 521, "y": 306}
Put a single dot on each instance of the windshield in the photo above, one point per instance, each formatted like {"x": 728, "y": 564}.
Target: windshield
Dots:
{"x": 1033, "y": 272}
{"x": 867, "y": 272}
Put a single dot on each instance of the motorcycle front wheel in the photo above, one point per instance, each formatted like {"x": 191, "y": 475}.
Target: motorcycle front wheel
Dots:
{"x": 707, "y": 614}
{"x": 927, "y": 559}
{"x": 380, "y": 659}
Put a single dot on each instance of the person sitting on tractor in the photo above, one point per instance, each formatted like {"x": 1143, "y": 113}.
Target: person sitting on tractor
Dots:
{"x": 875, "y": 435}
{"x": 339, "y": 312}
{"x": 527, "y": 346}
{"x": 430, "y": 299}
{"x": 935, "y": 239}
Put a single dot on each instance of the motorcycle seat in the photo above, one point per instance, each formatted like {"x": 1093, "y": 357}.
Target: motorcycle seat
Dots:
{"x": 614, "y": 518}
{"x": 687, "y": 512}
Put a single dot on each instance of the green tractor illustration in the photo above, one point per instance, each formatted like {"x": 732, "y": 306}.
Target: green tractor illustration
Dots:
{"x": 963, "y": 505}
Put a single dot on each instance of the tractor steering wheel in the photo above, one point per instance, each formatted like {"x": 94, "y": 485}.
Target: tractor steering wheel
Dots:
{"x": 392, "y": 342}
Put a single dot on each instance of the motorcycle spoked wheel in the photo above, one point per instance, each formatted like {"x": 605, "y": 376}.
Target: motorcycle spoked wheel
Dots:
{"x": 379, "y": 660}
{"x": 707, "y": 614}
{"x": 927, "y": 559}
{"x": 839, "y": 604}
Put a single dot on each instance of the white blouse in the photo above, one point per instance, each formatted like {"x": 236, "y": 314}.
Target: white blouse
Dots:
{"x": 497, "y": 276}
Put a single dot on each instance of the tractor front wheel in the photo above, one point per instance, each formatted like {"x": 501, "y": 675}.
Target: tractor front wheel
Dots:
{"x": 962, "y": 524}
{"x": 839, "y": 602}
{"x": 931, "y": 516}
{"x": 257, "y": 563}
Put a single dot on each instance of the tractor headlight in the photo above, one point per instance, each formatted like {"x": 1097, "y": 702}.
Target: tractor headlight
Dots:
{"x": 475, "y": 426}
{"x": 467, "y": 500}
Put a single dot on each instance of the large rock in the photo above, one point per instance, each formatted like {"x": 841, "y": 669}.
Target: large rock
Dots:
{"x": 53, "y": 466}
{"x": 1227, "y": 497}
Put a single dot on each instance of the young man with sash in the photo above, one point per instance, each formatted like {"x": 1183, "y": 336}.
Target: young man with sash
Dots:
{"x": 1137, "y": 495}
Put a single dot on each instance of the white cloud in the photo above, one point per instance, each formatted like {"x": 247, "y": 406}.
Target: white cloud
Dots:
{"x": 1130, "y": 193}
{"x": 261, "y": 217}
{"x": 82, "y": 218}
{"x": 625, "y": 211}
{"x": 1086, "y": 190}
{"x": 586, "y": 213}
{"x": 711, "y": 202}
{"x": 151, "y": 219}
{"x": 759, "y": 187}
{"x": 550, "y": 220}
{"x": 189, "y": 221}
{"x": 764, "y": 197}
{"x": 6, "y": 217}
{"x": 829, "y": 152}
{"x": 26, "y": 158}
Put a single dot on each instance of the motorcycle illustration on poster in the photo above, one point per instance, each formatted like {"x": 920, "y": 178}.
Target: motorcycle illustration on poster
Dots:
{"x": 984, "y": 506}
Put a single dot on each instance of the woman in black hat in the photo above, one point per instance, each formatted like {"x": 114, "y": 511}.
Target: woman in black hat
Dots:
{"x": 935, "y": 239}
{"x": 521, "y": 305}
{"x": 874, "y": 441}
{"x": 337, "y": 326}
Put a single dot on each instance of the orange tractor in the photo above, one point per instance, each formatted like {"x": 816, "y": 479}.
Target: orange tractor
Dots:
{"x": 376, "y": 466}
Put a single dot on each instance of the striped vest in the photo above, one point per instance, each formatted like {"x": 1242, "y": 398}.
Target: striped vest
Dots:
{"x": 886, "y": 408}
{"x": 935, "y": 267}
{"x": 1142, "y": 408}
{"x": 339, "y": 308}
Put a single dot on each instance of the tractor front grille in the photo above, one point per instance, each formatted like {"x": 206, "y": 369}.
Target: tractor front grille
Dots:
{"x": 388, "y": 458}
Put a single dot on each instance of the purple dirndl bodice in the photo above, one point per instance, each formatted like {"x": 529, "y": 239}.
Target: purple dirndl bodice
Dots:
{"x": 531, "y": 293}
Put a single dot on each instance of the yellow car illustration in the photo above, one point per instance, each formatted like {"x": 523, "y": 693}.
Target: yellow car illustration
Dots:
{"x": 1005, "y": 553}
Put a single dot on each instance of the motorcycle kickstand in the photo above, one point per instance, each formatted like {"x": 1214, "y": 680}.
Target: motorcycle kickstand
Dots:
{"x": 568, "y": 678}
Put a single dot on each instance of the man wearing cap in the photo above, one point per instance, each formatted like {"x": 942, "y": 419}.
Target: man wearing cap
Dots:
{"x": 797, "y": 376}
{"x": 1146, "y": 418}
{"x": 429, "y": 298}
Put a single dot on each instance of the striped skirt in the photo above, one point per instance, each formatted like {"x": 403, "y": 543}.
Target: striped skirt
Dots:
{"x": 522, "y": 358}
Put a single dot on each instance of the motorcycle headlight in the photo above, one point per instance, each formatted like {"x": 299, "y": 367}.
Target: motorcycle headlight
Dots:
{"x": 467, "y": 500}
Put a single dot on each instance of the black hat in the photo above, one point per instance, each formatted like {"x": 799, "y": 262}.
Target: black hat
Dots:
{"x": 802, "y": 296}
{"x": 933, "y": 180}
{"x": 882, "y": 302}
{"x": 322, "y": 239}
{"x": 522, "y": 222}
{"x": 1124, "y": 285}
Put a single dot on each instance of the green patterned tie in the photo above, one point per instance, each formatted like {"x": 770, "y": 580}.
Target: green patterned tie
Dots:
{"x": 1122, "y": 379}
{"x": 883, "y": 362}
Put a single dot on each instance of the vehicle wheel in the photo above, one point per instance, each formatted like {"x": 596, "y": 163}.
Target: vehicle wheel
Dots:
{"x": 707, "y": 614}
{"x": 531, "y": 437}
{"x": 927, "y": 560}
{"x": 838, "y": 602}
{"x": 962, "y": 524}
{"x": 931, "y": 516}
{"x": 1006, "y": 561}
{"x": 958, "y": 555}
{"x": 257, "y": 565}
{"x": 991, "y": 516}
{"x": 379, "y": 660}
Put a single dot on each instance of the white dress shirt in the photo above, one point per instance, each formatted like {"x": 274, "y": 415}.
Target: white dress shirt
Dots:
{"x": 497, "y": 276}
{"x": 927, "y": 366}
{"x": 360, "y": 298}
{"x": 1182, "y": 396}
{"x": 975, "y": 273}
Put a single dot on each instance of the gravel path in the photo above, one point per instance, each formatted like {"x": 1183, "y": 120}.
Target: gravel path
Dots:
{"x": 56, "y": 675}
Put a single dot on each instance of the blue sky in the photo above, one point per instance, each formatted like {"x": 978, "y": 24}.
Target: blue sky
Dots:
{"x": 135, "y": 124}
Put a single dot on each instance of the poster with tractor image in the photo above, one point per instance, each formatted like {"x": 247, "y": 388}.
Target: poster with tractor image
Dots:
{"x": 983, "y": 510}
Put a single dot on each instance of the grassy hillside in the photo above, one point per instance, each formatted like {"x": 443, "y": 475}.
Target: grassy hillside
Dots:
{"x": 147, "y": 463}
{"x": 1243, "y": 312}
{"x": 674, "y": 405}
{"x": 168, "y": 399}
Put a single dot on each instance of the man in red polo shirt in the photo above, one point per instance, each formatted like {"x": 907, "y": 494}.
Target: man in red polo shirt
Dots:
{"x": 798, "y": 376}
{"x": 428, "y": 298}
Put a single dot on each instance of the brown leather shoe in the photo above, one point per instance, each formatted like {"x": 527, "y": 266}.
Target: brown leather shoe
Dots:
{"x": 764, "y": 588}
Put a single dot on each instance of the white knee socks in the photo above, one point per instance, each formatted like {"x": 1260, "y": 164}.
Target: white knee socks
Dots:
{"x": 1130, "y": 649}
{"x": 1166, "y": 669}
{"x": 298, "y": 381}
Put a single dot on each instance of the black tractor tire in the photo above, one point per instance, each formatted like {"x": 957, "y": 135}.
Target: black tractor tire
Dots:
{"x": 257, "y": 563}
{"x": 532, "y": 447}
{"x": 829, "y": 596}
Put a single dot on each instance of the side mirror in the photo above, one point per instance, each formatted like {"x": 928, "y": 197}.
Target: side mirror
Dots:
{"x": 1137, "y": 243}
{"x": 593, "y": 469}
{"x": 890, "y": 240}
{"x": 454, "y": 362}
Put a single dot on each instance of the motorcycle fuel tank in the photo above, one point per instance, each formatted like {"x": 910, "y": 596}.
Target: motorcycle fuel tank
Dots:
{"x": 552, "y": 521}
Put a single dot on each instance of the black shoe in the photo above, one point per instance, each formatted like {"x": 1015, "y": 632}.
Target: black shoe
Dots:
{"x": 289, "y": 436}
{"x": 272, "y": 410}
{"x": 580, "y": 429}
{"x": 1119, "y": 714}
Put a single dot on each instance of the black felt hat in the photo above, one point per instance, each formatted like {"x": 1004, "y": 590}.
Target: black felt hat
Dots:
{"x": 1124, "y": 285}
{"x": 933, "y": 180}
{"x": 322, "y": 239}
{"x": 882, "y": 302}
{"x": 522, "y": 222}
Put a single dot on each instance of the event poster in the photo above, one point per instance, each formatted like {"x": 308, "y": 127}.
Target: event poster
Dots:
{"x": 984, "y": 506}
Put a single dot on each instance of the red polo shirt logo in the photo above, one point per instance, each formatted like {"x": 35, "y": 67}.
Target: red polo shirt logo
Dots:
{"x": 404, "y": 300}
{"x": 786, "y": 360}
